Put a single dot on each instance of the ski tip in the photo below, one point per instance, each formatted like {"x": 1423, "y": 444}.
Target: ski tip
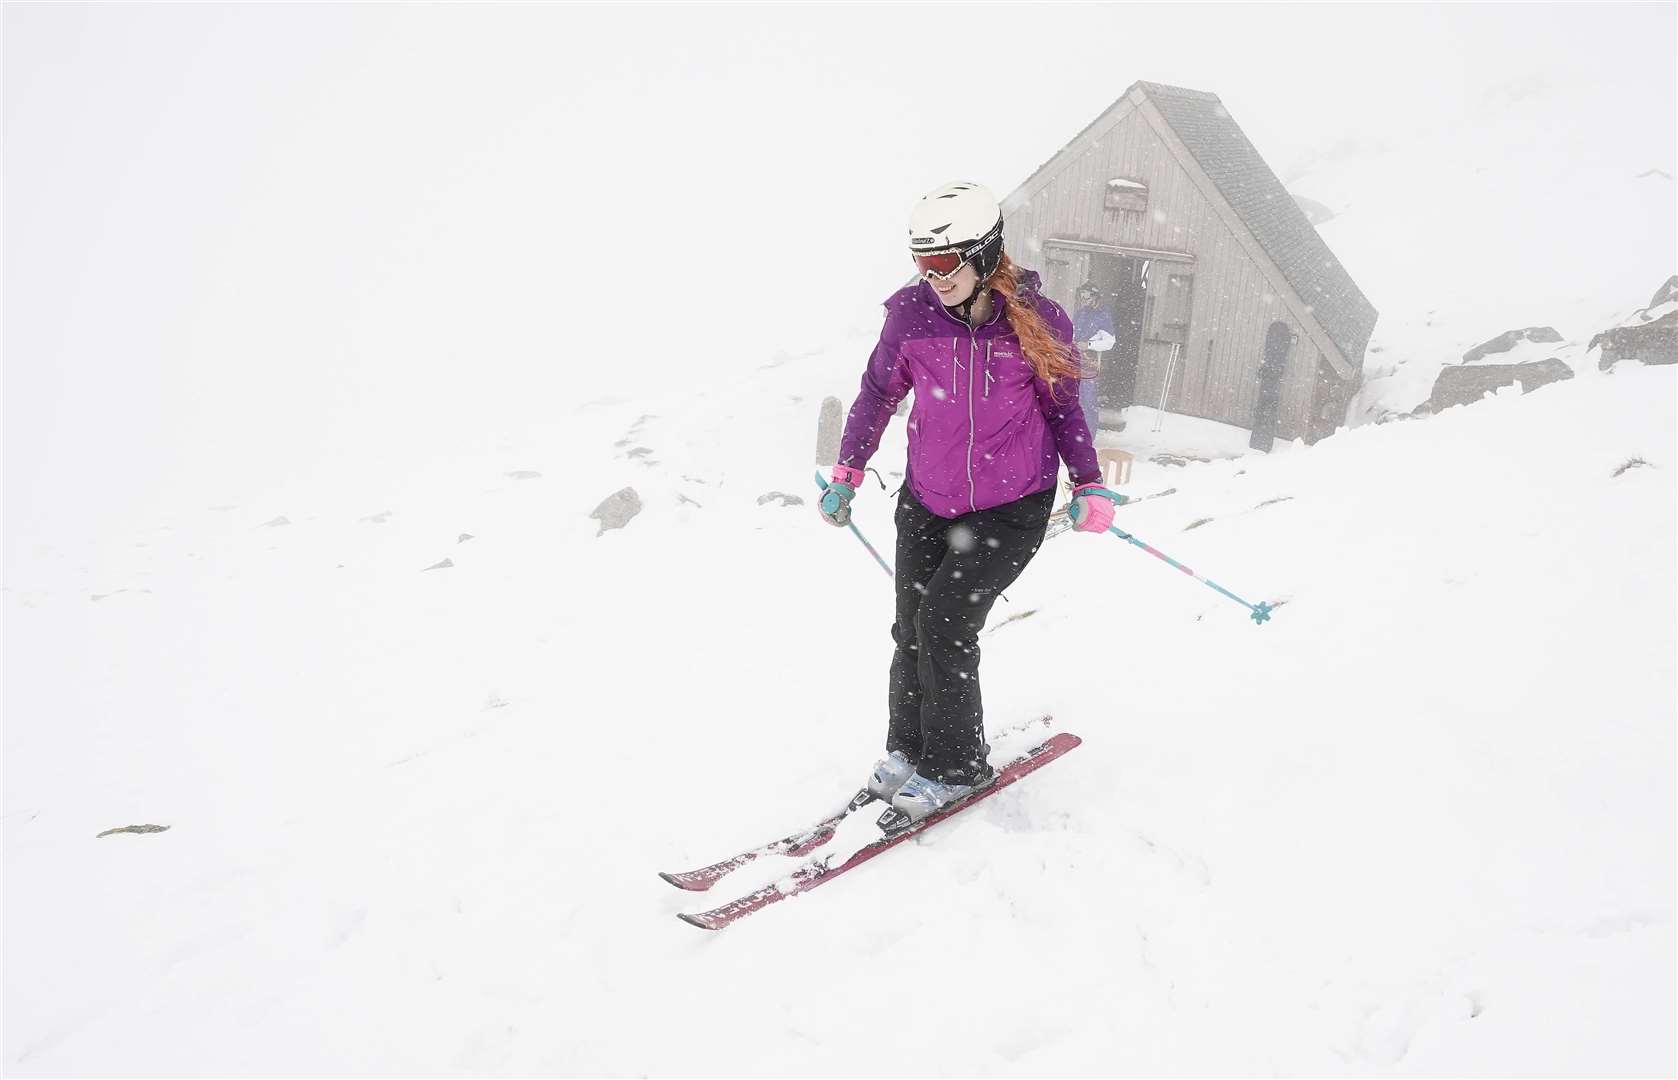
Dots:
{"x": 685, "y": 884}
{"x": 694, "y": 920}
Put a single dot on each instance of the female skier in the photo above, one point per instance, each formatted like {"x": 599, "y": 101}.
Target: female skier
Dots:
{"x": 994, "y": 372}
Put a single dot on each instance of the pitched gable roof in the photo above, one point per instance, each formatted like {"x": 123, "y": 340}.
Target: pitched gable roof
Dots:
{"x": 1264, "y": 206}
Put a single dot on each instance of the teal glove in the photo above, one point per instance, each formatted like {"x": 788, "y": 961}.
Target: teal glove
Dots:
{"x": 835, "y": 504}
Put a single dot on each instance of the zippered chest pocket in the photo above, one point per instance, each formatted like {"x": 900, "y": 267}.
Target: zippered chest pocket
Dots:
{"x": 1006, "y": 365}
{"x": 938, "y": 367}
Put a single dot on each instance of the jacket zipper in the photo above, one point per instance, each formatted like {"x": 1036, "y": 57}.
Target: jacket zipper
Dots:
{"x": 972, "y": 355}
{"x": 972, "y": 433}
{"x": 955, "y": 364}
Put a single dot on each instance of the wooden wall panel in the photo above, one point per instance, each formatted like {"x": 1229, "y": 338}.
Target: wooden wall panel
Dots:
{"x": 1229, "y": 346}
{"x": 1301, "y": 383}
{"x": 1205, "y": 237}
{"x": 1235, "y": 336}
{"x": 1248, "y": 343}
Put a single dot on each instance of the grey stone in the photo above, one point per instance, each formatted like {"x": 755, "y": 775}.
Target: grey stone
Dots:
{"x": 137, "y": 829}
{"x": 780, "y": 496}
{"x": 1467, "y": 383}
{"x": 1509, "y": 339}
{"x": 617, "y": 509}
{"x": 828, "y": 432}
{"x": 1651, "y": 341}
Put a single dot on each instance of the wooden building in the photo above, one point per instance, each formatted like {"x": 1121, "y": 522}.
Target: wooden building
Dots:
{"x": 1227, "y": 303}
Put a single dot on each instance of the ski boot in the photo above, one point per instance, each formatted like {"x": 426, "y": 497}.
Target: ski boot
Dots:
{"x": 921, "y": 797}
{"x": 890, "y": 773}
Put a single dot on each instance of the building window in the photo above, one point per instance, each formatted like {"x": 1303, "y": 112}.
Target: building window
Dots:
{"x": 1125, "y": 194}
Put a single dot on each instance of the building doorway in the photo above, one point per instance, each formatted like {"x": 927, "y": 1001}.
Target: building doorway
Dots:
{"x": 1123, "y": 282}
{"x": 1278, "y": 341}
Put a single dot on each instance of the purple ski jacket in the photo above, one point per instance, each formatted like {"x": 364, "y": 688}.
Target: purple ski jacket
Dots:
{"x": 984, "y": 429}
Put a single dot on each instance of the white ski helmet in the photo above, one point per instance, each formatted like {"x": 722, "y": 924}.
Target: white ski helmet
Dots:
{"x": 963, "y": 217}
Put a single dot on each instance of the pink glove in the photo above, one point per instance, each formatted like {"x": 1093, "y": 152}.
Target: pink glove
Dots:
{"x": 1091, "y": 509}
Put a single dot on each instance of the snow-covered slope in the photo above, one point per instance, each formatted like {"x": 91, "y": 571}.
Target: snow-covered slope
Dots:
{"x": 1419, "y": 823}
{"x": 387, "y": 318}
{"x": 1539, "y": 201}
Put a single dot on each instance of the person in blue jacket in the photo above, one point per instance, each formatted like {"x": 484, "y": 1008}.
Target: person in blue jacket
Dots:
{"x": 1092, "y": 331}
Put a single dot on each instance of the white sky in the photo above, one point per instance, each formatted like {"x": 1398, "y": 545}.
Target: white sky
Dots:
{"x": 245, "y": 239}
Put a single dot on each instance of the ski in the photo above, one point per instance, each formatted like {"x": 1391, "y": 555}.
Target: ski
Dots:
{"x": 815, "y": 872}
{"x": 798, "y": 844}
{"x": 801, "y": 843}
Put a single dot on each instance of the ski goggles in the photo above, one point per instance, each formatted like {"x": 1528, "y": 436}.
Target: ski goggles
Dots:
{"x": 940, "y": 264}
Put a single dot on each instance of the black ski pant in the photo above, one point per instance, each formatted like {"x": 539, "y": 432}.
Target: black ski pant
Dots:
{"x": 949, "y": 573}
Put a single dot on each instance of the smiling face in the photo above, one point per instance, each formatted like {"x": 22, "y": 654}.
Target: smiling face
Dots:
{"x": 957, "y": 287}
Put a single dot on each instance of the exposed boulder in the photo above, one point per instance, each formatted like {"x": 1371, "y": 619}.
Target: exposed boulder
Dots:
{"x": 1508, "y": 340}
{"x": 829, "y": 429}
{"x": 617, "y": 509}
{"x": 1463, "y": 384}
{"x": 139, "y": 830}
{"x": 1650, "y": 335}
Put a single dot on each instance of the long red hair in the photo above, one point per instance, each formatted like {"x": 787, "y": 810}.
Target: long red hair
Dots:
{"x": 1050, "y": 358}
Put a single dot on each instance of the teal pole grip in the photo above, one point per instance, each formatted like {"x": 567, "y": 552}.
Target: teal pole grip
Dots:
{"x": 821, "y": 481}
